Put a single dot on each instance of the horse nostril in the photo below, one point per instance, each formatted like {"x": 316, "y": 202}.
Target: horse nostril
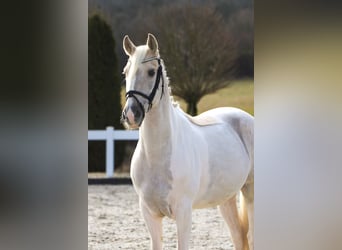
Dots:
{"x": 136, "y": 110}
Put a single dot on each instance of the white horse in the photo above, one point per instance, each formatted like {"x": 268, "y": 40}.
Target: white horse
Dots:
{"x": 182, "y": 162}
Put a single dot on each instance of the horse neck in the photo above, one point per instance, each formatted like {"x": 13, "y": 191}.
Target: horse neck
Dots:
{"x": 156, "y": 129}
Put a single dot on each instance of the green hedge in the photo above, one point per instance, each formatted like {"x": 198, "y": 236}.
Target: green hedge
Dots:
{"x": 104, "y": 104}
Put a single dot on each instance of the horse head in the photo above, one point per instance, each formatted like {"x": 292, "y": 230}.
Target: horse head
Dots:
{"x": 143, "y": 74}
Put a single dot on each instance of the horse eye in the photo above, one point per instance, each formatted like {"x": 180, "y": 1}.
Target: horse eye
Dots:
{"x": 151, "y": 72}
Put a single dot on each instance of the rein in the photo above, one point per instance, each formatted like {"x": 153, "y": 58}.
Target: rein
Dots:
{"x": 150, "y": 97}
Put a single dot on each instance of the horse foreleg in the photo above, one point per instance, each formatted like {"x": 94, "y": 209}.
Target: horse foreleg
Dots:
{"x": 230, "y": 214}
{"x": 154, "y": 226}
{"x": 183, "y": 220}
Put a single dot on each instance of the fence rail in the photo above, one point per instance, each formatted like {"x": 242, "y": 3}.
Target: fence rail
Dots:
{"x": 110, "y": 135}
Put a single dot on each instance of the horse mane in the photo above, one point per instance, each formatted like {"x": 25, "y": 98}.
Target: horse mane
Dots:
{"x": 134, "y": 61}
{"x": 173, "y": 101}
{"x": 167, "y": 81}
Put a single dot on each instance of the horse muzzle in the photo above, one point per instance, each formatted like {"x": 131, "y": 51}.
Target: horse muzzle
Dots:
{"x": 132, "y": 116}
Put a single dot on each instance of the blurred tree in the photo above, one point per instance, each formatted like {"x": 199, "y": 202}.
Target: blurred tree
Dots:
{"x": 241, "y": 25}
{"x": 197, "y": 49}
{"x": 129, "y": 17}
{"x": 104, "y": 106}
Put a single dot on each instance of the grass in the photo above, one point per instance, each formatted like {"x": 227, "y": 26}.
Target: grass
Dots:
{"x": 239, "y": 94}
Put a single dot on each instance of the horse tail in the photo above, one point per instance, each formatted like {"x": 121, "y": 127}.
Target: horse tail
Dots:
{"x": 244, "y": 220}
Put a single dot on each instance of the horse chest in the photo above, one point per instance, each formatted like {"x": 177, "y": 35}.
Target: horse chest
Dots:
{"x": 153, "y": 187}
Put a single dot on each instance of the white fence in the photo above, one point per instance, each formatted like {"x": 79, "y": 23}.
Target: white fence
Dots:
{"x": 110, "y": 135}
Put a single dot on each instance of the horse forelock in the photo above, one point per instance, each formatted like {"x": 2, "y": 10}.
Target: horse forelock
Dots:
{"x": 135, "y": 60}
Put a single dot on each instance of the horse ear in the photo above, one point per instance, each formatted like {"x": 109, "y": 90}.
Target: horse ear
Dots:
{"x": 152, "y": 43}
{"x": 128, "y": 46}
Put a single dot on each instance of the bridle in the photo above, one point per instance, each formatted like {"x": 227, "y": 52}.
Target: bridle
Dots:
{"x": 150, "y": 97}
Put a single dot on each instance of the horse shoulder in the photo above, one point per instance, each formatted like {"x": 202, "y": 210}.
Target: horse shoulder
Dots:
{"x": 189, "y": 153}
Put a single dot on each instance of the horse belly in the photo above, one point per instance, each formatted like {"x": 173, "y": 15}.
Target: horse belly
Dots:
{"x": 226, "y": 170}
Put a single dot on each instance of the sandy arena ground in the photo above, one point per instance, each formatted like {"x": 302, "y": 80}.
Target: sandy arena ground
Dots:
{"x": 114, "y": 222}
